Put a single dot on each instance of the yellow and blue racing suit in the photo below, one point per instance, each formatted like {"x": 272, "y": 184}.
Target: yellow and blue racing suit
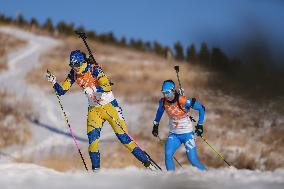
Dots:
{"x": 102, "y": 107}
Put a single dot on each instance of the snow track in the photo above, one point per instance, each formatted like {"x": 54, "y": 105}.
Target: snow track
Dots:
{"x": 32, "y": 176}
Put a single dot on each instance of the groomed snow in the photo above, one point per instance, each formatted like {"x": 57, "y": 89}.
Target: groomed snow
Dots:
{"x": 26, "y": 176}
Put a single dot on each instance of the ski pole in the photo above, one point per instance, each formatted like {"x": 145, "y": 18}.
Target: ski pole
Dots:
{"x": 151, "y": 160}
{"x": 71, "y": 131}
{"x": 174, "y": 156}
{"x": 177, "y": 71}
{"x": 215, "y": 151}
{"x": 83, "y": 36}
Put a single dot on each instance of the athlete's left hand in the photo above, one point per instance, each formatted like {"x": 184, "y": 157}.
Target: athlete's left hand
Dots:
{"x": 50, "y": 77}
{"x": 199, "y": 129}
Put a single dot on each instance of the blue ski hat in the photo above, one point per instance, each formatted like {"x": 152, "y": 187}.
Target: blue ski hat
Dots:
{"x": 168, "y": 85}
{"x": 77, "y": 57}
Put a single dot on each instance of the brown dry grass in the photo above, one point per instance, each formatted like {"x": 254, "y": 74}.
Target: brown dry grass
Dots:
{"x": 14, "y": 127}
{"x": 8, "y": 44}
{"x": 2, "y": 59}
{"x": 58, "y": 162}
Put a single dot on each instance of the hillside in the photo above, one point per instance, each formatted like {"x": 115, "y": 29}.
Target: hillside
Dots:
{"x": 247, "y": 132}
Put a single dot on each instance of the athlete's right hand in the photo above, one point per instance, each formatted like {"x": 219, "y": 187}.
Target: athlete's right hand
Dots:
{"x": 199, "y": 129}
{"x": 50, "y": 77}
{"x": 155, "y": 130}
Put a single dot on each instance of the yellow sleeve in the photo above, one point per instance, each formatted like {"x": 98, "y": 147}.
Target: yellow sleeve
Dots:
{"x": 66, "y": 85}
{"x": 102, "y": 79}
{"x": 104, "y": 83}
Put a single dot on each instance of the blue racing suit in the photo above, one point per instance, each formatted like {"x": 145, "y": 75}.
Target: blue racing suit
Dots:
{"x": 181, "y": 130}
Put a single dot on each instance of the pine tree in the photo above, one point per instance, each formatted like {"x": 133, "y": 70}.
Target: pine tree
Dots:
{"x": 139, "y": 45}
{"x": 69, "y": 29}
{"x": 5, "y": 19}
{"x": 215, "y": 56}
{"x": 48, "y": 25}
{"x": 103, "y": 38}
{"x": 65, "y": 29}
{"x": 60, "y": 27}
{"x": 179, "y": 54}
{"x": 34, "y": 23}
{"x": 191, "y": 55}
{"x": 158, "y": 49}
{"x": 123, "y": 42}
{"x": 91, "y": 34}
{"x": 110, "y": 38}
{"x": 148, "y": 46}
{"x": 204, "y": 55}
{"x": 81, "y": 29}
{"x": 219, "y": 59}
{"x": 20, "y": 19}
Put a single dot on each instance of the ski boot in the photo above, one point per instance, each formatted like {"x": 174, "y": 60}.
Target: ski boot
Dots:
{"x": 95, "y": 170}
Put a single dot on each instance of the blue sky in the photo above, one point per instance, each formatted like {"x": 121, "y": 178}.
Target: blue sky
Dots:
{"x": 223, "y": 23}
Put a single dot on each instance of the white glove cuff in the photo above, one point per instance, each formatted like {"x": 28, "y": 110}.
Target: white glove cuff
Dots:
{"x": 155, "y": 123}
{"x": 53, "y": 82}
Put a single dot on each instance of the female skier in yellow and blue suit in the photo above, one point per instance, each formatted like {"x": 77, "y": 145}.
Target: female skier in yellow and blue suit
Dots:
{"x": 102, "y": 105}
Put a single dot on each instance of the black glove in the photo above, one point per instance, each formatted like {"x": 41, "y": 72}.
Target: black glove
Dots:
{"x": 155, "y": 130}
{"x": 199, "y": 129}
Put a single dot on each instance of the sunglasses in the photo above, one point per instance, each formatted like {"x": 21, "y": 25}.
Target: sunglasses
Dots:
{"x": 167, "y": 93}
{"x": 77, "y": 64}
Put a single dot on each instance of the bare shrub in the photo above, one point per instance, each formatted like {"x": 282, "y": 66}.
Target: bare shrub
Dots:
{"x": 13, "y": 122}
{"x": 8, "y": 43}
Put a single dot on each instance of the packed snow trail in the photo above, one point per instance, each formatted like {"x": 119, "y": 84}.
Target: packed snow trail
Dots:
{"x": 27, "y": 176}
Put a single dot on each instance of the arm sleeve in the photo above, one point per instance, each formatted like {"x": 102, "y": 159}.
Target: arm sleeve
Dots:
{"x": 65, "y": 86}
{"x": 160, "y": 111}
{"x": 196, "y": 105}
{"x": 102, "y": 79}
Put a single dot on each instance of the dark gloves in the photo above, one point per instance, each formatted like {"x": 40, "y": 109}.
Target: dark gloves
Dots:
{"x": 199, "y": 129}
{"x": 155, "y": 130}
